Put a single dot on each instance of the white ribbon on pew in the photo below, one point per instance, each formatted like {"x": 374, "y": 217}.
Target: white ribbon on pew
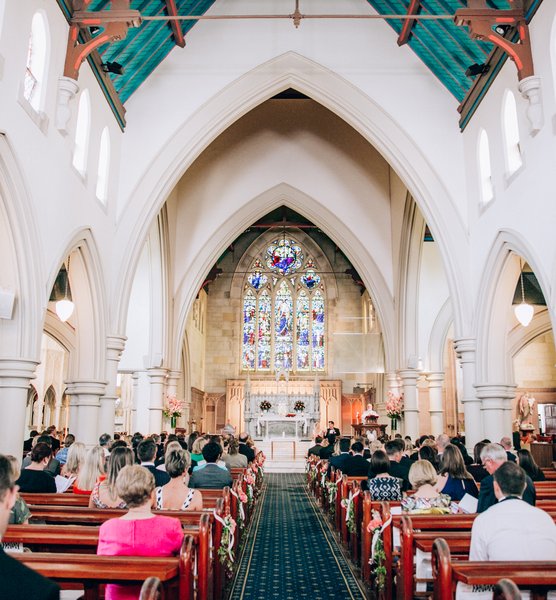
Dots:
{"x": 377, "y": 534}
{"x": 241, "y": 509}
{"x": 231, "y": 538}
{"x": 351, "y": 498}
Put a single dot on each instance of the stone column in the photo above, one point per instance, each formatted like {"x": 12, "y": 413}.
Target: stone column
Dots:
{"x": 85, "y": 406}
{"x": 409, "y": 379}
{"x": 495, "y": 399}
{"x": 392, "y": 383}
{"x": 465, "y": 350}
{"x": 135, "y": 396}
{"x": 157, "y": 382}
{"x": 15, "y": 378}
{"x": 115, "y": 345}
{"x": 436, "y": 407}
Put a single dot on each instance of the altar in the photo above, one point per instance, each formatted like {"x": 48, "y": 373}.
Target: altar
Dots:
{"x": 270, "y": 426}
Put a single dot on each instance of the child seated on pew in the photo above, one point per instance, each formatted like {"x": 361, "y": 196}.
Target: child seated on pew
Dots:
{"x": 139, "y": 532}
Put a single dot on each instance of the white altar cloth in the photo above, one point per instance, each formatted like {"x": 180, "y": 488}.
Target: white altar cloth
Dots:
{"x": 300, "y": 420}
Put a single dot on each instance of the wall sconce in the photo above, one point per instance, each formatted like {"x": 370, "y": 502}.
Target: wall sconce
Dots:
{"x": 61, "y": 294}
{"x": 523, "y": 312}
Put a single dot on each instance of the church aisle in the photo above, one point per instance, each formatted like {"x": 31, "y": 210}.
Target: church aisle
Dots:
{"x": 290, "y": 552}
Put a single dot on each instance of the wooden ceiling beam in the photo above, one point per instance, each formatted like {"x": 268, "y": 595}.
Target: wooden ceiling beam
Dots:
{"x": 174, "y": 23}
{"x": 413, "y": 9}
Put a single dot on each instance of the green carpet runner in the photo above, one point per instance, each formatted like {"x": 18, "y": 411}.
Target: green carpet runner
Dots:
{"x": 290, "y": 551}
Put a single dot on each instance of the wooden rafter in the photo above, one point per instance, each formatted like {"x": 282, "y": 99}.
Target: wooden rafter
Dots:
{"x": 175, "y": 24}
{"x": 413, "y": 9}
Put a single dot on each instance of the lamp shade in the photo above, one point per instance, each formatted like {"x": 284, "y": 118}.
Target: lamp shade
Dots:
{"x": 524, "y": 313}
{"x": 64, "y": 309}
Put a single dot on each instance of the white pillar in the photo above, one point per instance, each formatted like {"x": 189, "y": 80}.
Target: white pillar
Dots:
{"x": 496, "y": 397}
{"x": 85, "y": 401}
{"x": 15, "y": 378}
{"x": 115, "y": 345}
{"x": 135, "y": 403}
{"x": 157, "y": 384}
{"x": 465, "y": 350}
{"x": 393, "y": 383}
{"x": 436, "y": 407}
{"x": 409, "y": 379}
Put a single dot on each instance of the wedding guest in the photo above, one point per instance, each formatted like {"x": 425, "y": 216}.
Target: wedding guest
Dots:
{"x": 75, "y": 460}
{"x": 34, "y": 479}
{"x": 210, "y": 475}
{"x": 233, "y": 459}
{"x": 383, "y": 486}
{"x": 526, "y": 461}
{"x": 476, "y": 469}
{"x": 454, "y": 479}
{"x": 426, "y": 499}
{"x": 93, "y": 470}
{"x": 104, "y": 493}
{"x": 139, "y": 532}
{"x": 62, "y": 455}
{"x": 177, "y": 495}
{"x": 20, "y": 513}
{"x": 146, "y": 453}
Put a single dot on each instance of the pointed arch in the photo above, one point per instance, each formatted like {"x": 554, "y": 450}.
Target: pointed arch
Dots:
{"x": 354, "y": 107}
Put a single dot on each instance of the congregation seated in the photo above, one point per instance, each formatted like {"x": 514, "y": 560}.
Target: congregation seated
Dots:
{"x": 315, "y": 450}
{"x": 210, "y": 475}
{"x": 326, "y": 450}
{"x": 139, "y": 532}
{"x": 246, "y": 446}
{"x": 399, "y": 464}
{"x": 429, "y": 453}
{"x": 197, "y": 451}
{"x": 176, "y": 494}
{"x": 104, "y": 493}
{"x": 356, "y": 465}
{"x": 454, "y": 479}
{"x": 382, "y": 486}
{"x": 493, "y": 456}
{"x": 53, "y": 466}
{"x": 20, "y": 512}
{"x": 62, "y": 454}
{"x": 233, "y": 459}
{"x": 169, "y": 446}
{"x": 92, "y": 470}
{"x": 17, "y": 580}
{"x": 146, "y": 454}
{"x": 526, "y": 461}
{"x": 34, "y": 478}
{"x": 476, "y": 469}
{"x": 339, "y": 460}
{"x": 75, "y": 460}
{"x": 426, "y": 499}
{"x": 506, "y": 443}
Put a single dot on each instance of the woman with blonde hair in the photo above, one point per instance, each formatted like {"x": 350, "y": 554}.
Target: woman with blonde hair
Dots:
{"x": 92, "y": 471}
{"x": 75, "y": 460}
{"x": 233, "y": 459}
{"x": 172, "y": 445}
{"x": 104, "y": 492}
{"x": 176, "y": 494}
{"x": 197, "y": 450}
{"x": 20, "y": 513}
{"x": 427, "y": 499}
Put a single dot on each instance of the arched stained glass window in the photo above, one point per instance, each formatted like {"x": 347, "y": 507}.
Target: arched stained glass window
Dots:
{"x": 283, "y": 312}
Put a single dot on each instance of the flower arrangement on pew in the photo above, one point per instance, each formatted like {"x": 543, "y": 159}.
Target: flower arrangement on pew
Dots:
{"x": 347, "y": 503}
{"x": 323, "y": 468}
{"x": 332, "y": 489}
{"x": 250, "y": 481}
{"x": 378, "y": 556}
{"x": 241, "y": 501}
{"x": 226, "y": 549}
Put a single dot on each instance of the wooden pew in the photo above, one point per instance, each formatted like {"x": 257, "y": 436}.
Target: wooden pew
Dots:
{"x": 175, "y": 573}
{"x": 537, "y": 576}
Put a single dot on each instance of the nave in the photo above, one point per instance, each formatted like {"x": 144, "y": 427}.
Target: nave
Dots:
{"x": 291, "y": 552}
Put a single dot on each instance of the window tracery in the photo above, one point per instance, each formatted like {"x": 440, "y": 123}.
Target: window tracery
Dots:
{"x": 284, "y": 312}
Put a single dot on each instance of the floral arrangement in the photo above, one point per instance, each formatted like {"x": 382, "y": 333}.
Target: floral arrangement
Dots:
{"x": 332, "y": 488}
{"x": 226, "y": 549}
{"x": 299, "y": 406}
{"x": 377, "y": 549}
{"x": 394, "y": 406}
{"x": 265, "y": 405}
{"x": 347, "y": 503}
{"x": 172, "y": 408}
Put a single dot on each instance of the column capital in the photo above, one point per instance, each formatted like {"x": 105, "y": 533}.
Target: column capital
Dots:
{"x": 17, "y": 372}
{"x": 409, "y": 376}
{"x": 488, "y": 391}
{"x": 435, "y": 378}
{"x": 86, "y": 387}
{"x": 116, "y": 343}
{"x": 465, "y": 349}
{"x": 173, "y": 376}
{"x": 157, "y": 375}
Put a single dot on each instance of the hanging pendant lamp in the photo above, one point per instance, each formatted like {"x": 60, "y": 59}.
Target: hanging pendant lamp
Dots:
{"x": 523, "y": 312}
{"x": 65, "y": 306}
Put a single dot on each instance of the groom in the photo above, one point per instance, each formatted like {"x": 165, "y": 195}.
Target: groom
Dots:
{"x": 332, "y": 433}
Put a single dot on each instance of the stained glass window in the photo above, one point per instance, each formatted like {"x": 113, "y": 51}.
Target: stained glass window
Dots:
{"x": 283, "y": 315}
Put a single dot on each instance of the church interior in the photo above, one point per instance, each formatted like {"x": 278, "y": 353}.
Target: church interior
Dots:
{"x": 277, "y": 212}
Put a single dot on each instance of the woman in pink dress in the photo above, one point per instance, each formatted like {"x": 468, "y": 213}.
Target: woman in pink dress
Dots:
{"x": 139, "y": 532}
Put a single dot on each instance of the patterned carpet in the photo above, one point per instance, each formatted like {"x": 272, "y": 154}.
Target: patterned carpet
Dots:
{"x": 290, "y": 552}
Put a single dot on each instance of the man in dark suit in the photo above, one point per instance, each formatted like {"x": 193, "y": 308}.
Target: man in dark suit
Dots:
{"x": 506, "y": 443}
{"x": 492, "y": 457}
{"x": 356, "y": 465}
{"x": 28, "y": 444}
{"x": 210, "y": 475}
{"x": 399, "y": 464}
{"x": 339, "y": 460}
{"x": 17, "y": 580}
{"x": 244, "y": 448}
{"x": 332, "y": 433}
{"x": 316, "y": 448}
{"x": 146, "y": 451}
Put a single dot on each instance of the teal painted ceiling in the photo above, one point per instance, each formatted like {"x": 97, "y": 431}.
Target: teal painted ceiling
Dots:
{"x": 446, "y": 49}
{"x": 145, "y": 47}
